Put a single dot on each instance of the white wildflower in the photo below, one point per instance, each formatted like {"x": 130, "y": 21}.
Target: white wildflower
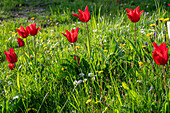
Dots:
{"x": 81, "y": 74}
{"x": 90, "y": 74}
{"x": 75, "y": 82}
{"x": 15, "y": 97}
{"x": 85, "y": 80}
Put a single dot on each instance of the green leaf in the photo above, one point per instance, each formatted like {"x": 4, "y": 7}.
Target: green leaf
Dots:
{"x": 18, "y": 81}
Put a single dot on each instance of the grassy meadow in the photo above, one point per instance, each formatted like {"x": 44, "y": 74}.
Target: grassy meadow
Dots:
{"x": 119, "y": 74}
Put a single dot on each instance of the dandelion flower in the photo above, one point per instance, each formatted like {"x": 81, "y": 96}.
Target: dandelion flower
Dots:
{"x": 149, "y": 34}
{"x": 105, "y": 50}
{"x": 76, "y": 47}
{"x": 140, "y": 63}
{"x": 144, "y": 46}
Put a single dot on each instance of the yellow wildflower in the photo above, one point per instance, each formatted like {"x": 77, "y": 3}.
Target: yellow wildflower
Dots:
{"x": 151, "y": 25}
{"x": 161, "y": 19}
{"x": 32, "y": 18}
{"x": 149, "y": 34}
{"x": 29, "y": 109}
{"x": 89, "y": 100}
{"x": 143, "y": 46}
{"x": 51, "y": 24}
{"x": 13, "y": 34}
{"x": 105, "y": 50}
{"x": 10, "y": 31}
{"x": 123, "y": 44}
{"x": 45, "y": 47}
{"x": 164, "y": 67}
{"x": 100, "y": 71}
{"x": 76, "y": 47}
{"x": 166, "y": 19}
{"x": 51, "y": 19}
{"x": 140, "y": 63}
{"x": 62, "y": 69}
{"x": 20, "y": 8}
{"x": 6, "y": 40}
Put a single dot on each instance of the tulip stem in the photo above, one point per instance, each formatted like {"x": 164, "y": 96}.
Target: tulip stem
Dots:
{"x": 75, "y": 48}
{"x": 35, "y": 48}
{"x": 75, "y": 54}
{"x": 164, "y": 77}
{"x": 25, "y": 62}
{"x": 88, "y": 41}
{"x": 155, "y": 32}
{"x": 28, "y": 47}
{"x": 135, "y": 31}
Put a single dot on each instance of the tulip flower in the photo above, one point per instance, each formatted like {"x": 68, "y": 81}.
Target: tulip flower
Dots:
{"x": 32, "y": 29}
{"x": 20, "y": 42}
{"x": 83, "y": 16}
{"x": 134, "y": 15}
{"x": 160, "y": 55}
{"x": 11, "y": 56}
{"x": 22, "y": 32}
{"x": 169, "y": 4}
{"x": 11, "y": 66}
{"x": 72, "y": 36}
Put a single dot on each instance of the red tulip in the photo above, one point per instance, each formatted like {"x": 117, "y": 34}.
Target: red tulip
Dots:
{"x": 83, "y": 16}
{"x": 11, "y": 66}
{"x": 72, "y": 36}
{"x": 169, "y": 4}
{"x": 160, "y": 55}
{"x": 134, "y": 15}
{"x": 22, "y": 32}
{"x": 11, "y": 56}
{"x": 20, "y": 42}
{"x": 32, "y": 29}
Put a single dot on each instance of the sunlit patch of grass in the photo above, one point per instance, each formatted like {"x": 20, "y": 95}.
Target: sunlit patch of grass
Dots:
{"x": 121, "y": 78}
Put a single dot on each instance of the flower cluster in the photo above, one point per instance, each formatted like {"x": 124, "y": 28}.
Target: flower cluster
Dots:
{"x": 24, "y": 33}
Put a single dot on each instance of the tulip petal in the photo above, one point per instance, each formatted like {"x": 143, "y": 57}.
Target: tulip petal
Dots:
{"x": 80, "y": 11}
{"x": 75, "y": 15}
{"x": 127, "y": 10}
{"x": 141, "y": 12}
{"x": 137, "y": 9}
{"x": 64, "y": 34}
{"x": 155, "y": 45}
{"x": 68, "y": 35}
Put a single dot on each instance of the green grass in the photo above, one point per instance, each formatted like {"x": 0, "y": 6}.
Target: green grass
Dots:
{"x": 120, "y": 85}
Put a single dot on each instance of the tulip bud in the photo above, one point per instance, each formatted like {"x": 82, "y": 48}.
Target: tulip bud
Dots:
{"x": 11, "y": 66}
